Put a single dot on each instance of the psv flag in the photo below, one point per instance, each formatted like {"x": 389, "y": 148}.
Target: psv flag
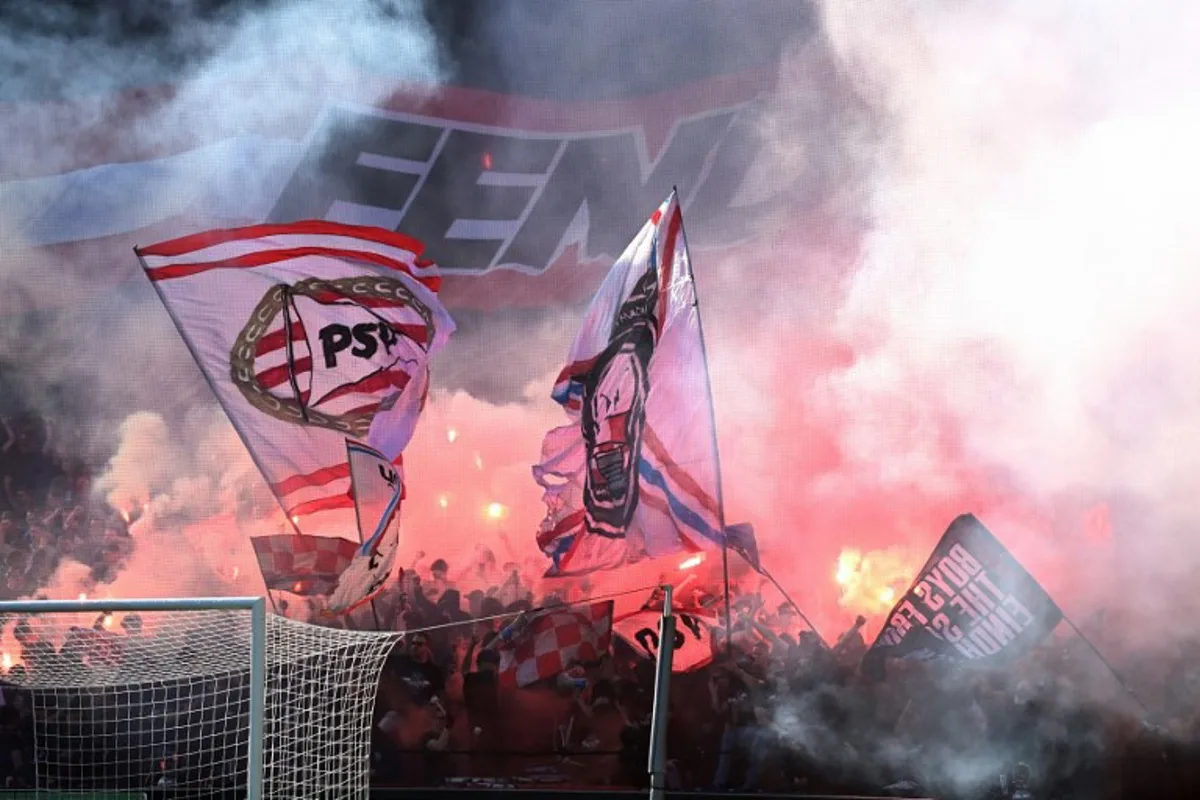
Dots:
{"x": 970, "y": 602}
{"x": 309, "y": 333}
{"x": 378, "y": 487}
{"x": 634, "y": 472}
{"x": 541, "y": 644}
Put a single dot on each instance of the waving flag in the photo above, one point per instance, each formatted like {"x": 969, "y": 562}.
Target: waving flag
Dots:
{"x": 635, "y": 472}
{"x": 305, "y": 565}
{"x": 971, "y": 602}
{"x": 542, "y": 644}
{"x": 694, "y": 638}
{"x": 309, "y": 333}
{"x": 696, "y": 622}
{"x": 378, "y": 488}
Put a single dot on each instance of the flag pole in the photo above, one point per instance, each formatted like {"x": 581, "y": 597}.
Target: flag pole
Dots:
{"x": 271, "y": 597}
{"x": 212, "y": 387}
{"x": 792, "y": 603}
{"x": 659, "y": 713}
{"x": 712, "y": 415}
{"x": 1120, "y": 681}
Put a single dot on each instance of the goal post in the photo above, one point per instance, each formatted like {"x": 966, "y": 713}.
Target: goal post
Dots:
{"x": 201, "y": 697}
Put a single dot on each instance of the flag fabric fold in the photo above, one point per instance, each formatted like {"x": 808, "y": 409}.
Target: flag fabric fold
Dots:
{"x": 543, "y": 643}
{"x": 634, "y": 474}
{"x": 305, "y": 565}
{"x": 971, "y": 602}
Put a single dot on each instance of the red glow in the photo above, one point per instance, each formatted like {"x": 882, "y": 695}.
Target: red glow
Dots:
{"x": 1098, "y": 525}
{"x": 487, "y": 160}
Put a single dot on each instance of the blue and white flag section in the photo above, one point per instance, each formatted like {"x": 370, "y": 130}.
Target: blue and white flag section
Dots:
{"x": 634, "y": 474}
{"x": 377, "y": 485}
{"x": 971, "y": 602}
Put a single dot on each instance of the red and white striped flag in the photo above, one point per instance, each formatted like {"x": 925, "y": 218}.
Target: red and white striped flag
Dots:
{"x": 540, "y": 645}
{"x": 310, "y": 333}
{"x": 303, "y": 564}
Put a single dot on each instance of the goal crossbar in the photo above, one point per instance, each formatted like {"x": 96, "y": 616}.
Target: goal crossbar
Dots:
{"x": 256, "y": 606}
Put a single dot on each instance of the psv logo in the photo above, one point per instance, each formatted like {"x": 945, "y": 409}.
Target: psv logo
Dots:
{"x": 330, "y": 353}
{"x": 362, "y": 341}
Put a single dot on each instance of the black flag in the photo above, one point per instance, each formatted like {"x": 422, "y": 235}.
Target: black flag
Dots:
{"x": 971, "y": 602}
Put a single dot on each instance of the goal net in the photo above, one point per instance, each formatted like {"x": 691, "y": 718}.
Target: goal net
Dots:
{"x": 197, "y": 699}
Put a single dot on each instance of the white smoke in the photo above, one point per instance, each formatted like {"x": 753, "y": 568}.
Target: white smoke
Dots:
{"x": 1020, "y": 319}
{"x": 236, "y": 86}
{"x": 1028, "y": 271}
{"x": 154, "y": 80}
{"x": 194, "y": 498}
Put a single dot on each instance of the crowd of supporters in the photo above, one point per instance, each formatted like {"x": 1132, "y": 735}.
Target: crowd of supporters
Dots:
{"x": 47, "y": 513}
{"x": 47, "y": 509}
{"x": 778, "y": 709}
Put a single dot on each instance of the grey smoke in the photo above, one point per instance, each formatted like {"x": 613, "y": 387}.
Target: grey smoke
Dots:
{"x": 149, "y": 79}
{"x": 973, "y": 223}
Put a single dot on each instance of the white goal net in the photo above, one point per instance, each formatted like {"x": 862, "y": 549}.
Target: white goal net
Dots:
{"x": 127, "y": 700}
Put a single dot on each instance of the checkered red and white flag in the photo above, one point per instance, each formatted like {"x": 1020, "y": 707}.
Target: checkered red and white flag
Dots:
{"x": 542, "y": 644}
{"x": 307, "y": 565}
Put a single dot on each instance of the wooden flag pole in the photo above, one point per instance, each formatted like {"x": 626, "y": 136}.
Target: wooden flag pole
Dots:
{"x": 713, "y": 416}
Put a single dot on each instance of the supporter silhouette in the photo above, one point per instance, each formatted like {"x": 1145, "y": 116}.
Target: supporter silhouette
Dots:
{"x": 481, "y": 696}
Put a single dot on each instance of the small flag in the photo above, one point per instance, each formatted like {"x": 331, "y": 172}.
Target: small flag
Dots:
{"x": 693, "y": 636}
{"x": 541, "y": 644}
{"x": 740, "y": 538}
{"x": 634, "y": 474}
{"x": 377, "y": 486}
{"x": 306, "y": 565}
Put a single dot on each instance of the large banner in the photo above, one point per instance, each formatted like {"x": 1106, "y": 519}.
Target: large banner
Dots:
{"x": 524, "y": 171}
{"x": 971, "y": 602}
{"x": 635, "y": 473}
{"x": 307, "y": 333}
